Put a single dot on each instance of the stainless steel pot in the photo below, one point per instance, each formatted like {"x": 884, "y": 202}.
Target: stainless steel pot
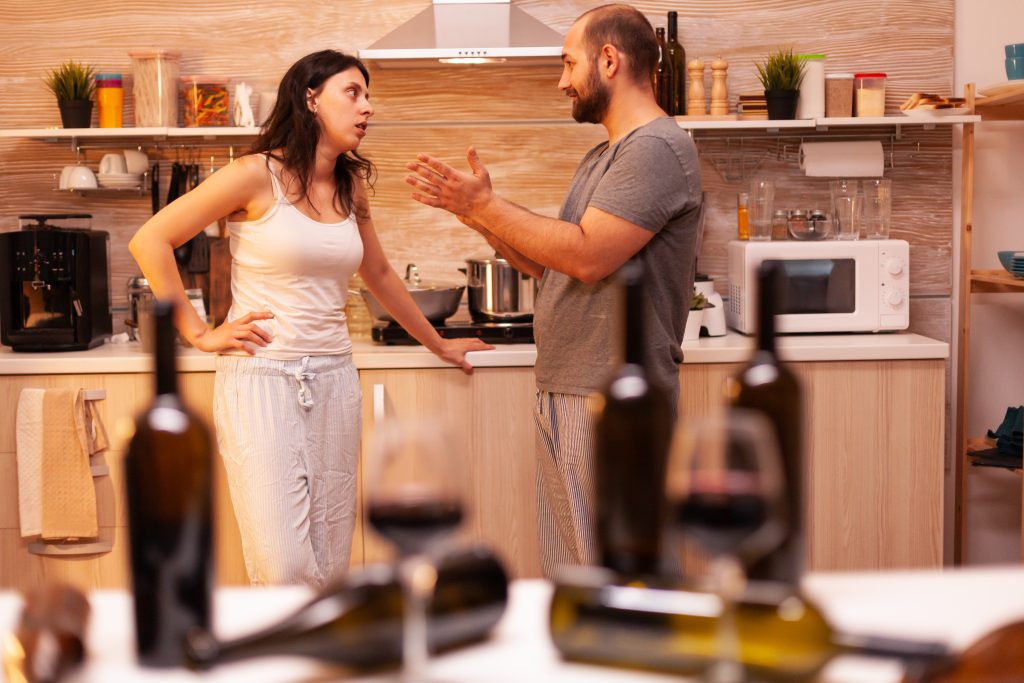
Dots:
{"x": 437, "y": 302}
{"x": 140, "y": 306}
{"x": 498, "y": 292}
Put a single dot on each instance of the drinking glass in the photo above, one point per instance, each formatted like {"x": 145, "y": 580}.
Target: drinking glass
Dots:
{"x": 877, "y": 208}
{"x": 415, "y": 498}
{"x": 760, "y": 201}
{"x": 846, "y": 207}
{"x": 724, "y": 489}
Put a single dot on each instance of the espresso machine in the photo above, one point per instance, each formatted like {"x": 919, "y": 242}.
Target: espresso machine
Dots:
{"x": 54, "y": 285}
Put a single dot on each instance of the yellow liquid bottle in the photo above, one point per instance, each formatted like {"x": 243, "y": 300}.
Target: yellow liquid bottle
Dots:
{"x": 742, "y": 220}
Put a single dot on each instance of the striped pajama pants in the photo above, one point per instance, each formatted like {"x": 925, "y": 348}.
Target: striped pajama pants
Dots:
{"x": 565, "y": 481}
{"x": 288, "y": 433}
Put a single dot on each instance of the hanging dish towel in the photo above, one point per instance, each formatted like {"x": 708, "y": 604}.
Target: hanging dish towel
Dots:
{"x": 56, "y": 432}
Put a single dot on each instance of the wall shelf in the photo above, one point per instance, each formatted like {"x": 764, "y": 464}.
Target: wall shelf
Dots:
{"x": 996, "y": 281}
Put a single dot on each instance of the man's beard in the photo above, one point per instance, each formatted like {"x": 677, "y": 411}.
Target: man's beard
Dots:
{"x": 592, "y": 106}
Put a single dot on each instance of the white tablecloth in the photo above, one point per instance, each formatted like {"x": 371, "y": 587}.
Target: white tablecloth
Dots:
{"x": 955, "y": 606}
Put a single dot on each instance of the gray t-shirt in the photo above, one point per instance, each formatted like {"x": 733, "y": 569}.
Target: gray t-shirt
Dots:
{"x": 651, "y": 178}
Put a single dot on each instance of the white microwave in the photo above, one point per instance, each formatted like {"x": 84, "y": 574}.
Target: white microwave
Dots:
{"x": 829, "y": 286}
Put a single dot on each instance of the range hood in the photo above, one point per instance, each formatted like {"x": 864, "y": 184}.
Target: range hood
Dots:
{"x": 467, "y": 32}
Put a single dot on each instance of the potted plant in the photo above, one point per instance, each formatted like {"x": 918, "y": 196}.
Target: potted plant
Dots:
{"x": 73, "y": 85}
{"x": 694, "y": 320}
{"x": 780, "y": 75}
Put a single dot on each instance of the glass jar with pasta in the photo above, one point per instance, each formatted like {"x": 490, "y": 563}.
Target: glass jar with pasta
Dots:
{"x": 154, "y": 91}
{"x": 206, "y": 101}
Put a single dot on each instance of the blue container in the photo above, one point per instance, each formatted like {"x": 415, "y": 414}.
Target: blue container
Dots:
{"x": 1015, "y": 51}
{"x": 1015, "y": 69}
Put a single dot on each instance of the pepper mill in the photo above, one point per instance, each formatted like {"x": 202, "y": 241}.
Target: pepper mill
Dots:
{"x": 695, "y": 91}
{"x": 719, "y": 88}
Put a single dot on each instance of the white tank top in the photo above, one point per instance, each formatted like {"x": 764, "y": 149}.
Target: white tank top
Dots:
{"x": 298, "y": 269}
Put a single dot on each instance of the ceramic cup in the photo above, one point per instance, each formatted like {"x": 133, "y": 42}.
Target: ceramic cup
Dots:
{"x": 78, "y": 178}
{"x": 1015, "y": 51}
{"x": 113, "y": 163}
{"x": 135, "y": 161}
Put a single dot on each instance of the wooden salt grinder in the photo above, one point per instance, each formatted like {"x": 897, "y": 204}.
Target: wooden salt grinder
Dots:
{"x": 695, "y": 91}
{"x": 719, "y": 88}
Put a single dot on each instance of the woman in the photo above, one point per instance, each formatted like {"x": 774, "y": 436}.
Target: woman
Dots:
{"x": 287, "y": 398}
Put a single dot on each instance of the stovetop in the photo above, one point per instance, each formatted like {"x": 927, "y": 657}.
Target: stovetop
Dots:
{"x": 492, "y": 333}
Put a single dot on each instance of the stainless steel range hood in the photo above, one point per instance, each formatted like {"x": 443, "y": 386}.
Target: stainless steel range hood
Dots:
{"x": 464, "y": 32}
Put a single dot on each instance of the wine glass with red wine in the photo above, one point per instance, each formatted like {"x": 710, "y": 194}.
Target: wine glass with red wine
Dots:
{"x": 724, "y": 490}
{"x": 415, "y": 499}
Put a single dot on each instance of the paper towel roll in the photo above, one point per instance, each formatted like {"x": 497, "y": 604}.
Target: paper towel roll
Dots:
{"x": 859, "y": 159}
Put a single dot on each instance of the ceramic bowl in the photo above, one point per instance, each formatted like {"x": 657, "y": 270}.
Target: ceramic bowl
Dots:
{"x": 1015, "y": 51}
{"x": 1015, "y": 68}
{"x": 1014, "y": 266}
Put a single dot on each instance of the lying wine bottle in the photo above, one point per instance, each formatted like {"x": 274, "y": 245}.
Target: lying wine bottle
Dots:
{"x": 783, "y": 636}
{"x": 358, "y": 622}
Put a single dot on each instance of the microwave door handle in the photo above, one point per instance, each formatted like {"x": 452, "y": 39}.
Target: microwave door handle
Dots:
{"x": 76, "y": 303}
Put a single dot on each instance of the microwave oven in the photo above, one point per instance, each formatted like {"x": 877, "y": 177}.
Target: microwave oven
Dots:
{"x": 827, "y": 286}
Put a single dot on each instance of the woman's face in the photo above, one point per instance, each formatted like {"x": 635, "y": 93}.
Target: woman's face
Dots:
{"x": 343, "y": 109}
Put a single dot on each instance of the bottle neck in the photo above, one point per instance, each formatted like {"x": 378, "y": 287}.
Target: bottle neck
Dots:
{"x": 767, "y": 303}
{"x": 672, "y": 26}
{"x": 634, "y": 317}
{"x": 166, "y": 369}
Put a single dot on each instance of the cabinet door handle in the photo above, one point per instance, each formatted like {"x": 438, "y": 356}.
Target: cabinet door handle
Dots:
{"x": 379, "y": 402}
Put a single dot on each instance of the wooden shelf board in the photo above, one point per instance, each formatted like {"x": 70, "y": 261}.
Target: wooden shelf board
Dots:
{"x": 981, "y": 443}
{"x": 995, "y": 281}
{"x": 1005, "y": 101}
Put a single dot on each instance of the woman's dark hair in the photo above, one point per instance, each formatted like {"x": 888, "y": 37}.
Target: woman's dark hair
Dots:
{"x": 293, "y": 129}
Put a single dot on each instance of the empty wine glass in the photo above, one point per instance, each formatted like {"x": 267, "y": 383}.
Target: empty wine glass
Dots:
{"x": 415, "y": 499}
{"x": 724, "y": 489}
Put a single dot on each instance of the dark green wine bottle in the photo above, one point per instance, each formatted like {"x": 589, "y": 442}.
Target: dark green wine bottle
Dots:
{"x": 633, "y": 428}
{"x": 768, "y": 386}
{"x": 358, "y": 622}
{"x": 663, "y": 74}
{"x": 168, "y": 485}
{"x": 782, "y": 636}
{"x": 677, "y": 56}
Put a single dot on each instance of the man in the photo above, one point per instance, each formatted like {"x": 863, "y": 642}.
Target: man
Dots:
{"x": 638, "y": 194}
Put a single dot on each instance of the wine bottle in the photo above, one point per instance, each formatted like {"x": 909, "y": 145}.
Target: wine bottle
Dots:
{"x": 676, "y": 55}
{"x": 168, "y": 483}
{"x": 782, "y": 636}
{"x": 633, "y": 428}
{"x": 768, "y": 386}
{"x": 663, "y": 74}
{"x": 358, "y": 621}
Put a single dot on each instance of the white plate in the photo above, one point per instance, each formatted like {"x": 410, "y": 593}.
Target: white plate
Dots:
{"x": 955, "y": 111}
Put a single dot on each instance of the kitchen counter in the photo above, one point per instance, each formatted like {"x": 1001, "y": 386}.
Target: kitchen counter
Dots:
{"x": 732, "y": 348}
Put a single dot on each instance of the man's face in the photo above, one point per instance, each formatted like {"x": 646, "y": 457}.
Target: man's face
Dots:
{"x": 581, "y": 79}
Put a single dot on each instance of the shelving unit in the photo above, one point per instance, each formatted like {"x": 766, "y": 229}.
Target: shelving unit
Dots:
{"x": 1003, "y": 103}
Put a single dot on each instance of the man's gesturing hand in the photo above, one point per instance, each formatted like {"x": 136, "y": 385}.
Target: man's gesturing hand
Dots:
{"x": 444, "y": 187}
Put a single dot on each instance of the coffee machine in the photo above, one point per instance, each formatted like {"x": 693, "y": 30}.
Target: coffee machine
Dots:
{"x": 54, "y": 285}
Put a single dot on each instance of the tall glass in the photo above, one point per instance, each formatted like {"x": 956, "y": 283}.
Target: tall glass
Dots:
{"x": 415, "y": 497}
{"x": 725, "y": 492}
{"x": 846, "y": 207}
{"x": 877, "y": 208}
{"x": 760, "y": 203}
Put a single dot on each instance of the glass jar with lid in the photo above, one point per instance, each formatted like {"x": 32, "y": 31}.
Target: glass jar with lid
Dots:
{"x": 780, "y": 224}
{"x": 155, "y": 87}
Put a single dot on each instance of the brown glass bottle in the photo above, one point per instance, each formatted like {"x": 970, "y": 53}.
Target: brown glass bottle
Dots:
{"x": 168, "y": 476}
{"x": 358, "y": 622}
{"x": 662, "y": 75}
{"x": 633, "y": 428}
{"x": 767, "y": 385}
{"x": 677, "y": 56}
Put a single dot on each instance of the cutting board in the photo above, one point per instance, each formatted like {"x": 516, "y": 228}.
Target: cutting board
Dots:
{"x": 220, "y": 279}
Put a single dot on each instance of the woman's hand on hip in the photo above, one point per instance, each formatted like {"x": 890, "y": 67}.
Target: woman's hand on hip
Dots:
{"x": 241, "y": 333}
{"x": 454, "y": 351}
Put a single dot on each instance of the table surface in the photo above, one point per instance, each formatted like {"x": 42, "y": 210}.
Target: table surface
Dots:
{"x": 953, "y": 606}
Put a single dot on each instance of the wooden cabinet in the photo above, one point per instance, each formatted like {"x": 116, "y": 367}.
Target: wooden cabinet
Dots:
{"x": 874, "y": 437}
{"x": 492, "y": 412}
{"x": 1006, "y": 103}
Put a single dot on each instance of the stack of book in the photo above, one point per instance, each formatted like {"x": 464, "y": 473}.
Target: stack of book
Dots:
{"x": 751, "y": 106}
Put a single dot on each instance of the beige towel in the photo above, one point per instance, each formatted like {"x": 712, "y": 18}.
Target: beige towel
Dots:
{"x": 57, "y": 431}
{"x": 29, "y": 440}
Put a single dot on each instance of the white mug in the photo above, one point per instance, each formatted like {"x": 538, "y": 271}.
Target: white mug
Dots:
{"x": 65, "y": 173}
{"x": 78, "y": 178}
{"x": 135, "y": 161}
{"x": 112, "y": 163}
